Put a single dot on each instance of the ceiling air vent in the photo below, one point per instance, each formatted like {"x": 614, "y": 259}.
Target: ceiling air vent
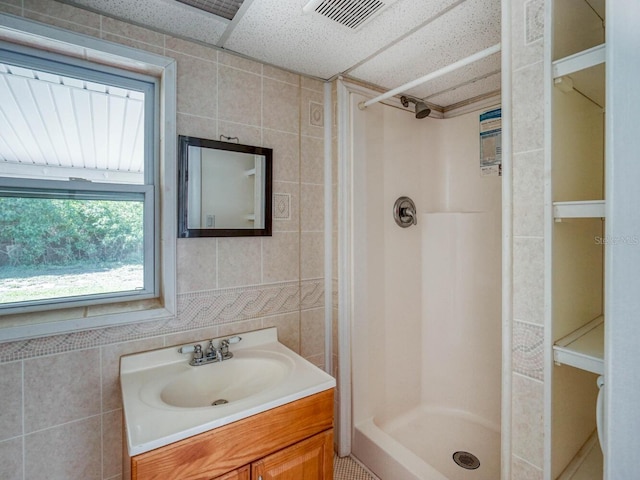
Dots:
{"x": 222, "y": 8}
{"x": 350, "y": 13}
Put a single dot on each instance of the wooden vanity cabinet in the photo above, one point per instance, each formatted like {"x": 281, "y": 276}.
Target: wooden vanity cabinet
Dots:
{"x": 311, "y": 459}
{"x": 243, "y": 473}
{"x": 294, "y": 440}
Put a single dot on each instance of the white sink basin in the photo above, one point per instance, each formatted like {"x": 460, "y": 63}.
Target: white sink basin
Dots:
{"x": 216, "y": 384}
{"x": 165, "y": 399}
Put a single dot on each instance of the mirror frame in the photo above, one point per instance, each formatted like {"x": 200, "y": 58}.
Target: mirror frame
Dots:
{"x": 184, "y": 142}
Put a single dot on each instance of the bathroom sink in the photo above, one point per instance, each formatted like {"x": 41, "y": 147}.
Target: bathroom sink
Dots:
{"x": 221, "y": 383}
{"x": 166, "y": 400}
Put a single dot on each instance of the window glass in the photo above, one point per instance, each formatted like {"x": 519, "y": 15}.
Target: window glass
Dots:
{"x": 77, "y": 184}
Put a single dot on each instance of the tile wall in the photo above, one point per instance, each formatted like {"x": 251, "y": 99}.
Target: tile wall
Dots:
{"x": 527, "y": 24}
{"x": 60, "y": 414}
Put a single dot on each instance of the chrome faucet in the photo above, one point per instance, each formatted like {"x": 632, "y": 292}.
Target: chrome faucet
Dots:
{"x": 211, "y": 354}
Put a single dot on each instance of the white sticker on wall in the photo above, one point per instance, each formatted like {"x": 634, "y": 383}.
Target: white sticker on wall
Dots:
{"x": 491, "y": 142}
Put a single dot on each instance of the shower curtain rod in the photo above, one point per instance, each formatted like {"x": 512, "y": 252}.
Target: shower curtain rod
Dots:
{"x": 430, "y": 76}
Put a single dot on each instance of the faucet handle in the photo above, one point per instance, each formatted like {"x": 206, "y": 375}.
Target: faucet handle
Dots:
{"x": 224, "y": 345}
{"x": 197, "y": 352}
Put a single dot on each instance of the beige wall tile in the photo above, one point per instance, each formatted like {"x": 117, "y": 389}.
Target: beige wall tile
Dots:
{"x": 130, "y": 42}
{"x": 70, "y": 451}
{"x": 10, "y": 400}
{"x": 239, "y": 96}
{"x": 288, "y": 329}
{"x": 280, "y": 109}
{"x": 312, "y": 164}
{"x": 173, "y": 44}
{"x": 111, "y": 393}
{"x": 528, "y": 279}
{"x": 521, "y": 470}
{"x": 247, "y": 134}
{"x": 16, "y": 3}
{"x": 312, "y": 83}
{"x": 282, "y": 75}
{"x": 240, "y": 63}
{"x": 197, "y": 86}
{"x": 312, "y": 255}
{"x": 310, "y": 100}
{"x": 239, "y": 261}
{"x": 11, "y": 459}
{"x": 290, "y": 223}
{"x": 112, "y": 443}
{"x": 317, "y": 360}
{"x": 528, "y": 108}
{"x": 63, "y": 12}
{"x": 196, "y": 264}
{"x": 235, "y": 328}
{"x": 12, "y": 8}
{"x": 312, "y": 207}
{"x": 527, "y": 419}
{"x": 133, "y": 32}
{"x": 286, "y": 154}
{"x": 193, "y": 126}
{"x": 528, "y": 194}
{"x": 191, "y": 336}
{"x": 58, "y": 22}
{"x": 281, "y": 257}
{"x": 527, "y": 47}
{"x": 61, "y": 388}
{"x": 312, "y": 333}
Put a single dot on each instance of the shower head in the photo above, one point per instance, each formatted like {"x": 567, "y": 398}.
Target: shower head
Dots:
{"x": 422, "y": 110}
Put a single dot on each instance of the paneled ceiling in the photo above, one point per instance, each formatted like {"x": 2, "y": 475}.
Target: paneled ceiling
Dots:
{"x": 400, "y": 41}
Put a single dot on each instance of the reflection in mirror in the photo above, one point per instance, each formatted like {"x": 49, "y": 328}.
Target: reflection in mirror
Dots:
{"x": 224, "y": 189}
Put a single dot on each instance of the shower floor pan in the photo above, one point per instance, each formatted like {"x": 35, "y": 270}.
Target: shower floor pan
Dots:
{"x": 420, "y": 445}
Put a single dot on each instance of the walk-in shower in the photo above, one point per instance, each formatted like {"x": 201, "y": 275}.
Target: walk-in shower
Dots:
{"x": 426, "y": 321}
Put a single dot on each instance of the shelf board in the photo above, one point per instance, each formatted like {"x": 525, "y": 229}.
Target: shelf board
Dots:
{"x": 579, "y": 61}
{"x": 583, "y": 348}
{"x": 581, "y": 209}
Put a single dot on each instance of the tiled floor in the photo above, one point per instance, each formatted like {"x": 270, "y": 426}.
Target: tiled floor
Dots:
{"x": 347, "y": 468}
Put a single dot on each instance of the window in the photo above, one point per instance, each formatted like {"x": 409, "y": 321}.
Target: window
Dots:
{"x": 78, "y": 183}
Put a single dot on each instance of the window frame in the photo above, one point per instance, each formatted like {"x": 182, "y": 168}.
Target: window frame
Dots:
{"x": 47, "y": 44}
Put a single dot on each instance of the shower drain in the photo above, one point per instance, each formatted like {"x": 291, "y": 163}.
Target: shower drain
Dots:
{"x": 466, "y": 460}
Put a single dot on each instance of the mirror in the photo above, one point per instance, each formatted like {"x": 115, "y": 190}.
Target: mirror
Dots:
{"x": 224, "y": 189}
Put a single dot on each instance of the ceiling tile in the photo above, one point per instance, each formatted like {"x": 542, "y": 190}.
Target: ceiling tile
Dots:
{"x": 463, "y": 31}
{"x": 280, "y": 33}
{"x": 165, "y": 15}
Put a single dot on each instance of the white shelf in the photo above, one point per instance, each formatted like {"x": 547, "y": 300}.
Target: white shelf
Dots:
{"x": 583, "y": 348}
{"x": 579, "y": 61}
{"x": 582, "y": 209}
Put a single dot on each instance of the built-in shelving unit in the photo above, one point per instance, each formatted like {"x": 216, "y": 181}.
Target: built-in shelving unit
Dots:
{"x": 575, "y": 258}
{"x": 580, "y": 209}
{"x": 583, "y": 348}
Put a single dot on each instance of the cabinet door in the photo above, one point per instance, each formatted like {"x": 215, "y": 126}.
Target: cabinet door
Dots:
{"x": 239, "y": 474}
{"x": 311, "y": 459}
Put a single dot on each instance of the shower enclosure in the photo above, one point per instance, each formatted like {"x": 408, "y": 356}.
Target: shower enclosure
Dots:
{"x": 425, "y": 315}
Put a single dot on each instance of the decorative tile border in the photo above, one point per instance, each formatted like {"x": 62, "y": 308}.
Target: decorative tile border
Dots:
{"x": 528, "y": 350}
{"x": 195, "y": 310}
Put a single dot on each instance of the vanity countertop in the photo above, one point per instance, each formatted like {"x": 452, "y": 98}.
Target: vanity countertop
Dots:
{"x": 153, "y": 420}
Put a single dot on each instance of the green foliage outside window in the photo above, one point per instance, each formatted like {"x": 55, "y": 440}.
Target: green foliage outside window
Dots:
{"x": 36, "y": 231}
